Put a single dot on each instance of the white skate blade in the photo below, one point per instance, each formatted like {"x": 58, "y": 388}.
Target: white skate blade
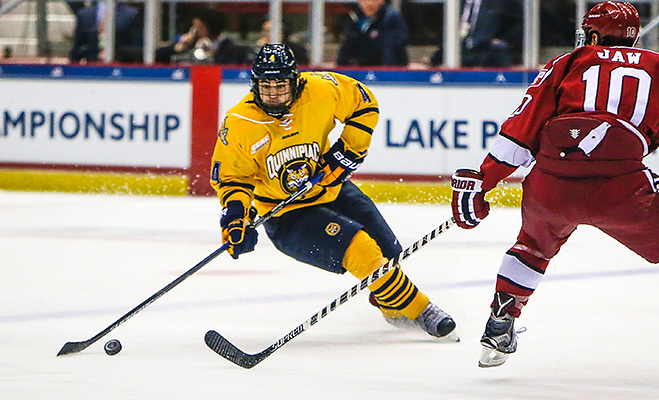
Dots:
{"x": 452, "y": 337}
{"x": 491, "y": 358}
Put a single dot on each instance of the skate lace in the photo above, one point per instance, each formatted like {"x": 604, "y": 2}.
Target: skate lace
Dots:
{"x": 432, "y": 316}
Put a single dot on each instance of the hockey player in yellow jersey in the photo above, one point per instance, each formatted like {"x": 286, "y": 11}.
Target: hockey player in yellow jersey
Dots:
{"x": 272, "y": 142}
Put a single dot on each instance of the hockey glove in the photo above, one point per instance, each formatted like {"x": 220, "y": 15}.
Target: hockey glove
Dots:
{"x": 468, "y": 202}
{"x": 339, "y": 163}
{"x": 236, "y": 230}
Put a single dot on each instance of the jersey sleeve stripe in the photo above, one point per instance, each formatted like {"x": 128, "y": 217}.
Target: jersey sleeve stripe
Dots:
{"x": 511, "y": 152}
{"x": 360, "y": 126}
{"x": 237, "y": 184}
{"x": 363, "y": 111}
{"x": 515, "y": 141}
{"x": 496, "y": 160}
{"x": 230, "y": 193}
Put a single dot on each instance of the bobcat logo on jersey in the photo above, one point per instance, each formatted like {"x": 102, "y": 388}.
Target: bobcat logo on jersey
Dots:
{"x": 294, "y": 175}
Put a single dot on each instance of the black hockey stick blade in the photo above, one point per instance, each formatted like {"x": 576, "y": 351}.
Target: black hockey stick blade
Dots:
{"x": 74, "y": 347}
{"x": 226, "y": 349}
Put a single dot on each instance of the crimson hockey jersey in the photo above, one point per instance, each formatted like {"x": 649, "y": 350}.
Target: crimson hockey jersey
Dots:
{"x": 592, "y": 112}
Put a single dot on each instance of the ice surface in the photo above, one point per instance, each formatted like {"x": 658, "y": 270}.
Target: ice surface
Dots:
{"x": 71, "y": 264}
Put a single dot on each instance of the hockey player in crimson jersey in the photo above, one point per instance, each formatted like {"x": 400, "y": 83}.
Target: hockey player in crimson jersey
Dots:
{"x": 272, "y": 142}
{"x": 587, "y": 121}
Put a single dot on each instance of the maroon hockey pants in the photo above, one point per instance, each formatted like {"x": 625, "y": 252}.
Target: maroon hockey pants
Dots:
{"x": 625, "y": 207}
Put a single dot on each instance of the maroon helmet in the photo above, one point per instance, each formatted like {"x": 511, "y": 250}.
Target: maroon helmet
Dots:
{"x": 617, "y": 23}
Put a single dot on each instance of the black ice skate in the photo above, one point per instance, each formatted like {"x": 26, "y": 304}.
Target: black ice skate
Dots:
{"x": 432, "y": 320}
{"x": 500, "y": 338}
{"x": 437, "y": 323}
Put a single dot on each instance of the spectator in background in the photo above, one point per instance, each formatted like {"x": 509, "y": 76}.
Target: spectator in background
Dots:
{"x": 437, "y": 57}
{"x": 491, "y": 32}
{"x": 7, "y": 52}
{"x": 74, "y": 5}
{"x": 87, "y": 40}
{"x": 206, "y": 42}
{"x": 376, "y": 35}
{"x": 300, "y": 52}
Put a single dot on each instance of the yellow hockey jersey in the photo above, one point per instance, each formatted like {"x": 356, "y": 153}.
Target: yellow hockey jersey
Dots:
{"x": 260, "y": 160}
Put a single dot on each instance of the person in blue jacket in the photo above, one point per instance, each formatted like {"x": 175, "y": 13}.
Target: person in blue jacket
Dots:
{"x": 87, "y": 43}
{"x": 376, "y": 35}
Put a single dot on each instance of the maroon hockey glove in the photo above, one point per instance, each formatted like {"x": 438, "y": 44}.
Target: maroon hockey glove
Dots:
{"x": 339, "y": 163}
{"x": 468, "y": 202}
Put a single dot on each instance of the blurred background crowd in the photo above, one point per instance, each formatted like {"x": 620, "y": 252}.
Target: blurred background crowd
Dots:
{"x": 408, "y": 33}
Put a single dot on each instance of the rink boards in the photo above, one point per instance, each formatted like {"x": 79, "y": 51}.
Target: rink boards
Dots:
{"x": 152, "y": 130}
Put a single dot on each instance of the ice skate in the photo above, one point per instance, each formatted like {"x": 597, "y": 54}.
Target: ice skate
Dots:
{"x": 437, "y": 323}
{"x": 441, "y": 324}
{"x": 499, "y": 340}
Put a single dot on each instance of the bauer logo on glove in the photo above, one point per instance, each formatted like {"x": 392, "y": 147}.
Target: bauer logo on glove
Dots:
{"x": 339, "y": 163}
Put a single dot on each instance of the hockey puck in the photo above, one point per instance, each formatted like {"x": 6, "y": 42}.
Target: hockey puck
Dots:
{"x": 112, "y": 347}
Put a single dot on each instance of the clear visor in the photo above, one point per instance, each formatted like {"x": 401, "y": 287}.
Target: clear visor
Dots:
{"x": 579, "y": 38}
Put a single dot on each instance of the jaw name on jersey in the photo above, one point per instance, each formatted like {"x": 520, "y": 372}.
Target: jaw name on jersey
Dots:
{"x": 632, "y": 57}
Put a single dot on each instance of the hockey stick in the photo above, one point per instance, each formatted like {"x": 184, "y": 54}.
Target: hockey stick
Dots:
{"x": 76, "y": 347}
{"x": 226, "y": 349}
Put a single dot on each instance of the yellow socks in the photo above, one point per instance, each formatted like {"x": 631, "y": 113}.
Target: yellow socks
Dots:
{"x": 394, "y": 291}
